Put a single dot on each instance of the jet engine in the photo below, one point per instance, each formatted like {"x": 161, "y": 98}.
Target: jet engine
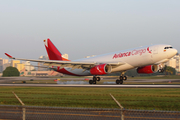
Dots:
{"x": 101, "y": 69}
{"x": 148, "y": 69}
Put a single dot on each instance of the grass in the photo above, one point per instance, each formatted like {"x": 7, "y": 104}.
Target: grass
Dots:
{"x": 130, "y": 98}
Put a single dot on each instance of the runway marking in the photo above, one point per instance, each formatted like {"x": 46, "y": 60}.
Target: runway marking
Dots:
{"x": 6, "y": 119}
{"x": 66, "y": 114}
{"x": 151, "y": 118}
{"x": 90, "y": 115}
{"x": 107, "y": 86}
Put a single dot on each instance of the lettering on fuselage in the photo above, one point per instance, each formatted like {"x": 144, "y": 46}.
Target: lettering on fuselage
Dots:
{"x": 130, "y": 53}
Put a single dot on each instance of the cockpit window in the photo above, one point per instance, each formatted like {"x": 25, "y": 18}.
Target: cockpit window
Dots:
{"x": 168, "y": 47}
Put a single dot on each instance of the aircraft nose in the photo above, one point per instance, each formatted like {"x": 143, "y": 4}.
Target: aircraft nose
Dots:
{"x": 175, "y": 51}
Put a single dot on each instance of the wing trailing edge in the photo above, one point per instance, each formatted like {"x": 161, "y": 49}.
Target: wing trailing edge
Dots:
{"x": 71, "y": 64}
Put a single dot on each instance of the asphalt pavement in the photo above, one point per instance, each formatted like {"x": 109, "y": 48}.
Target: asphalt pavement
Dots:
{"x": 81, "y": 82}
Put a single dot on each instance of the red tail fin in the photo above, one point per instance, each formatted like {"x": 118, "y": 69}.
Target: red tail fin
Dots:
{"x": 52, "y": 51}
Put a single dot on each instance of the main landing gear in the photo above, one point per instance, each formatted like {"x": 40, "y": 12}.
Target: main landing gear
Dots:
{"x": 121, "y": 78}
{"x": 95, "y": 79}
{"x": 118, "y": 81}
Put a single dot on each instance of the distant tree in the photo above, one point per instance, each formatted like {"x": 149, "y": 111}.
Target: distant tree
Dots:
{"x": 132, "y": 72}
{"x": 170, "y": 70}
{"x": 10, "y": 71}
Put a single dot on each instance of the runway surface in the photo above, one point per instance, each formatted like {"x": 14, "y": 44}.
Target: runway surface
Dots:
{"x": 105, "y": 86}
{"x": 81, "y": 82}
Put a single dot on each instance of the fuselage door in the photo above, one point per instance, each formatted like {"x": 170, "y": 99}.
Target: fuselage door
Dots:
{"x": 155, "y": 50}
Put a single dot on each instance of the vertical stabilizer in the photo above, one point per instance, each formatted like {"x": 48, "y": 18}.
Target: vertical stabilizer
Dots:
{"x": 52, "y": 51}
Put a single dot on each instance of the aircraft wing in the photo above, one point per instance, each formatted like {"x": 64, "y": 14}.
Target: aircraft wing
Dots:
{"x": 71, "y": 64}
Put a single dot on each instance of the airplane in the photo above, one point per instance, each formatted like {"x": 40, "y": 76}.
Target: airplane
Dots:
{"x": 147, "y": 59}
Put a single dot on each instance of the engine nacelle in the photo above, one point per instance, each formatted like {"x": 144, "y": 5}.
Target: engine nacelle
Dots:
{"x": 148, "y": 69}
{"x": 101, "y": 69}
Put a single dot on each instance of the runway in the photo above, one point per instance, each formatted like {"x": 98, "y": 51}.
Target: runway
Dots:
{"x": 96, "y": 85}
{"x": 81, "y": 82}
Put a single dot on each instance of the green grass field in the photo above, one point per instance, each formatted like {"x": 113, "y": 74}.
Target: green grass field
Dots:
{"x": 130, "y": 98}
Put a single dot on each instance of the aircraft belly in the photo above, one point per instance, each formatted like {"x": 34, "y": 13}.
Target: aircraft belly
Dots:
{"x": 76, "y": 72}
{"x": 123, "y": 68}
{"x": 80, "y": 72}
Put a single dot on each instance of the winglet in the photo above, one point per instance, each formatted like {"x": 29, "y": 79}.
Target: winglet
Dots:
{"x": 9, "y": 56}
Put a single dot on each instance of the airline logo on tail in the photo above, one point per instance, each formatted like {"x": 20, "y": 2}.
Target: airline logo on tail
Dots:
{"x": 52, "y": 51}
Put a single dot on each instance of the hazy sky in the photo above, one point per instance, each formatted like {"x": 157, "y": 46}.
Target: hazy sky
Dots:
{"x": 86, "y": 27}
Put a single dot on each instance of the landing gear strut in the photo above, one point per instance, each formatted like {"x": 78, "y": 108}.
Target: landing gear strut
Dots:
{"x": 121, "y": 78}
{"x": 95, "y": 79}
{"x": 161, "y": 68}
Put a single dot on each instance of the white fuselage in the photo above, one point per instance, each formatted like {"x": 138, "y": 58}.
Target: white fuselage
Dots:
{"x": 133, "y": 58}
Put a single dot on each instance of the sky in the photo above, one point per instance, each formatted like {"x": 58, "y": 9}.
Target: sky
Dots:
{"x": 86, "y": 27}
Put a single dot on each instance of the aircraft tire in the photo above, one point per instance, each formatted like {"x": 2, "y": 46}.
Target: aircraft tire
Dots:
{"x": 90, "y": 81}
{"x": 94, "y": 78}
{"x": 124, "y": 78}
{"x": 121, "y": 81}
{"x": 98, "y": 78}
{"x": 117, "y": 81}
{"x": 94, "y": 81}
{"x": 121, "y": 77}
{"x": 161, "y": 71}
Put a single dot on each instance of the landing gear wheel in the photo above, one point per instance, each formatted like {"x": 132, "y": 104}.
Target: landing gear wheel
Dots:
{"x": 121, "y": 77}
{"x": 117, "y": 81}
{"x": 94, "y": 78}
{"x": 94, "y": 81}
{"x": 90, "y": 81}
{"x": 98, "y": 78}
{"x": 161, "y": 70}
{"x": 124, "y": 78}
{"x": 121, "y": 81}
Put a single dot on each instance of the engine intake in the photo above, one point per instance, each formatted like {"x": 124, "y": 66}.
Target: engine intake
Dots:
{"x": 101, "y": 69}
